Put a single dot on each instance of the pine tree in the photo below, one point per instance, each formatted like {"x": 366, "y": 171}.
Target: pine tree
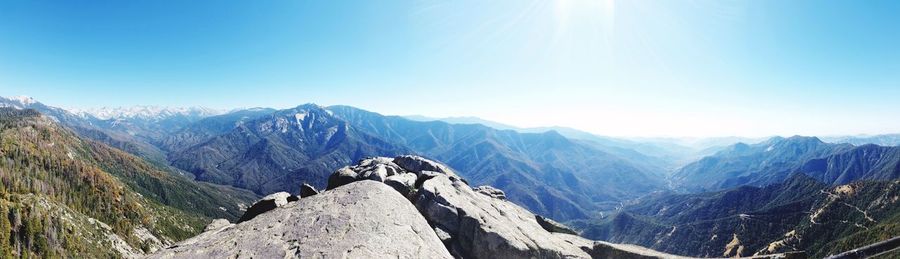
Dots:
{"x": 5, "y": 230}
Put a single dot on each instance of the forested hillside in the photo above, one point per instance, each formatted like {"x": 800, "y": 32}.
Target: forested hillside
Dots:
{"x": 64, "y": 196}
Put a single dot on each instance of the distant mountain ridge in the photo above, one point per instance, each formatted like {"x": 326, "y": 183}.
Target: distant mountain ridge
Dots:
{"x": 668, "y": 153}
{"x": 546, "y": 172}
{"x": 867, "y": 162}
{"x": 277, "y": 151}
{"x": 881, "y": 140}
{"x": 209, "y": 127}
{"x": 800, "y": 214}
{"x": 146, "y": 112}
{"x": 774, "y": 160}
{"x": 551, "y": 171}
{"x": 199, "y": 147}
{"x": 759, "y": 164}
{"x": 270, "y": 150}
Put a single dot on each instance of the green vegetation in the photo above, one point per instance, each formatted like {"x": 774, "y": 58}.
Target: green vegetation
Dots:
{"x": 78, "y": 179}
{"x": 800, "y": 214}
{"x": 855, "y": 215}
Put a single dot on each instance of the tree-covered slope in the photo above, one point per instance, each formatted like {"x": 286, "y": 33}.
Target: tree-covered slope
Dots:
{"x": 800, "y": 214}
{"x": 759, "y": 164}
{"x": 545, "y": 172}
{"x": 867, "y": 162}
{"x": 279, "y": 151}
{"x": 142, "y": 205}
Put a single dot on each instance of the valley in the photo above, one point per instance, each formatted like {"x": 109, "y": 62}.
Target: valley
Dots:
{"x": 179, "y": 170}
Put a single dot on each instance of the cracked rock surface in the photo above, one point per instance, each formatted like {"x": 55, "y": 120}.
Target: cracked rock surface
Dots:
{"x": 364, "y": 219}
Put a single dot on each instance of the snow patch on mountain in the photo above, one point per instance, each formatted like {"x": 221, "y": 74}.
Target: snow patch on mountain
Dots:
{"x": 18, "y": 102}
{"x": 147, "y": 112}
{"x": 25, "y": 100}
{"x": 300, "y": 116}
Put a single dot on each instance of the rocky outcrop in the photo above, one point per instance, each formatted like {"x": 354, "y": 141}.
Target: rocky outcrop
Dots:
{"x": 484, "y": 227}
{"x": 401, "y": 173}
{"x": 265, "y": 204}
{"x": 364, "y": 219}
{"x": 403, "y": 183}
{"x": 435, "y": 215}
{"x": 307, "y": 190}
{"x": 419, "y": 164}
{"x": 490, "y": 191}
{"x": 480, "y": 222}
{"x": 553, "y": 226}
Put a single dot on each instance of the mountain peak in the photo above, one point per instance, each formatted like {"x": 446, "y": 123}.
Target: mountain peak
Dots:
{"x": 19, "y": 102}
{"x": 775, "y": 139}
{"x": 798, "y": 138}
{"x": 304, "y": 109}
{"x": 310, "y": 106}
{"x": 26, "y": 100}
{"x": 554, "y": 136}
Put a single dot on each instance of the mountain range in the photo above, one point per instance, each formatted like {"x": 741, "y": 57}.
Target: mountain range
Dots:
{"x": 799, "y": 214}
{"x": 546, "y": 172}
{"x": 667, "y": 153}
{"x": 266, "y": 150}
{"x": 774, "y": 160}
{"x": 881, "y": 140}
{"x": 68, "y": 196}
{"x": 698, "y": 197}
{"x": 278, "y": 151}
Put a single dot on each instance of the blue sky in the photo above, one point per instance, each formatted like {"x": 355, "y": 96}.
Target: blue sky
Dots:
{"x": 622, "y": 68}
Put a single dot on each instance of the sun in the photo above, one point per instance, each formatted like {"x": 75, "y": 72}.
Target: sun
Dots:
{"x": 592, "y": 12}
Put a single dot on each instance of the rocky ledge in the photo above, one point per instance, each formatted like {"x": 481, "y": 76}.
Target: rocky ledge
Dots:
{"x": 360, "y": 220}
{"x": 403, "y": 207}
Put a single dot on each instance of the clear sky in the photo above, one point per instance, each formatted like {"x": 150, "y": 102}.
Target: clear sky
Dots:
{"x": 622, "y": 68}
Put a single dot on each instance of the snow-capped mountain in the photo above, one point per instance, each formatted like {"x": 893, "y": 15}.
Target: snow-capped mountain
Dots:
{"x": 146, "y": 112}
{"x": 18, "y": 102}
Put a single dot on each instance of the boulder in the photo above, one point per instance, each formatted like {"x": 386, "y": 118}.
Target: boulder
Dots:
{"x": 265, "y": 204}
{"x": 340, "y": 177}
{"x": 374, "y": 168}
{"x": 490, "y": 192}
{"x": 553, "y": 226}
{"x": 364, "y": 219}
{"x": 403, "y": 183}
{"x": 375, "y": 173}
{"x": 307, "y": 190}
{"x": 381, "y": 168}
{"x": 418, "y": 164}
{"x": 471, "y": 224}
{"x": 485, "y": 227}
{"x": 371, "y": 161}
{"x": 425, "y": 176}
